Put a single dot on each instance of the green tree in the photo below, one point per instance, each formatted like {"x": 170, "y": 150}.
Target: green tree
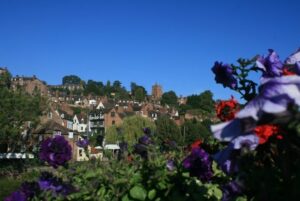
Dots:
{"x": 193, "y": 130}
{"x": 5, "y": 79}
{"x": 169, "y": 98}
{"x": 71, "y": 79}
{"x": 112, "y": 135}
{"x": 203, "y": 101}
{"x": 94, "y": 88}
{"x": 166, "y": 129}
{"x": 132, "y": 128}
{"x": 17, "y": 108}
{"x": 140, "y": 94}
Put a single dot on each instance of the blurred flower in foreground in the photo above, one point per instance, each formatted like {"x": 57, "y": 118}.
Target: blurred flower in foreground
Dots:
{"x": 224, "y": 75}
{"x": 170, "y": 165}
{"x": 271, "y": 65}
{"x": 48, "y": 182}
{"x": 231, "y": 190}
{"x": 275, "y": 97}
{"x": 199, "y": 164}
{"x": 226, "y": 109}
{"x": 55, "y": 151}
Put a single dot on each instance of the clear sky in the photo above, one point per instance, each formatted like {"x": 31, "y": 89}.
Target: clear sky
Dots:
{"x": 174, "y": 43}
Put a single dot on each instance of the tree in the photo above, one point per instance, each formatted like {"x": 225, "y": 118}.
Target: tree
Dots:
{"x": 94, "y": 88}
{"x": 71, "y": 79}
{"x": 166, "y": 129}
{"x": 193, "y": 130}
{"x": 138, "y": 92}
{"x": 132, "y": 128}
{"x": 5, "y": 79}
{"x": 169, "y": 98}
{"x": 203, "y": 101}
{"x": 17, "y": 108}
{"x": 112, "y": 135}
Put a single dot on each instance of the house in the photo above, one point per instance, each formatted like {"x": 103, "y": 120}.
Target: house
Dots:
{"x": 96, "y": 120}
{"x": 30, "y": 84}
{"x": 112, "y": 117}
{"x": 79, "y": 124}
{"x": 51, "y": 128}
{"x": 92, "y": 102}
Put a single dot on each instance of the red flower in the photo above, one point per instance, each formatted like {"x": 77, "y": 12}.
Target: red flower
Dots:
{"x": 266, "y": 131}
{"x": 226, "y": 109}
{"x": 195, "y": 144}
{"x": 287, "y": 72}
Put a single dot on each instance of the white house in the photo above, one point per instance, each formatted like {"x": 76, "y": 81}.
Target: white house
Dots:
{"x": 79, "y": 126}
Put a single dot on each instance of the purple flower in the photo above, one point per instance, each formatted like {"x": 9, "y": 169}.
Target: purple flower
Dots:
{"x": 48, "y": 182}
{"x": 16, "y": 196}
{"x": 292, "y": 63}
{"x": 170, "y": 165}
{"x": 276, "y": 94}
{"x": 271, "y": 65}
{"x": 224, "y": 75}
{"x": 226, "y": 159}
{"x": 147, "y": 131}
{"x": 56, "y": 151}
{"x": 82, "y": 143}
{"x": 27, "y": 191}
{"x": 145, "y": 139}
{"x": 30, "y": 189}
{"x": 231, "y": 190}
{"x": 199, "y": 164}
{"x": 293, "y": 58}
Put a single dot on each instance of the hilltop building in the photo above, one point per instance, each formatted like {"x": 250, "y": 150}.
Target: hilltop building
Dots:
{"x": 30, "y": 85}
{"x": 157, "y": 92}
{"x": 3, "y": 70}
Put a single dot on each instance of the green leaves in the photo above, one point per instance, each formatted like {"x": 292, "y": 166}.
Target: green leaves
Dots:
{"x": 138, "y": 193}
{"x": 152, "y": 194}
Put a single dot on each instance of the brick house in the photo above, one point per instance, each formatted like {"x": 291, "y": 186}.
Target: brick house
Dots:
{"x": 112, "y": 117}
{"x": 30, "y": 85}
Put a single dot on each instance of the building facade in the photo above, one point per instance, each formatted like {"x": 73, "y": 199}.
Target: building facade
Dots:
{"x": 157, "y": 92}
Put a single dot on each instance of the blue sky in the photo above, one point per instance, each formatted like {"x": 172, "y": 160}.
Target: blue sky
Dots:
{"x": 174, "y": 43}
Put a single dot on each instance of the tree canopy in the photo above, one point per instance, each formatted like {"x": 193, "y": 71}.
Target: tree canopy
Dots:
{"x": 203, "y": 101}
{"x": 132, "y": 128}
{"x": 138, "y": 92}
{"x": 193, "y": 130}
{"x": 71, "y": 79}
{"x": 169, "y": 98}
{"x": 166, "y": 129}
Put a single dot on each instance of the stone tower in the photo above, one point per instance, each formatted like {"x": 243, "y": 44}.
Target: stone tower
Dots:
{"x": 156, "y": 91}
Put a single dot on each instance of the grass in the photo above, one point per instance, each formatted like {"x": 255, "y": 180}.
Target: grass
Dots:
{"x": 8, "y": 185}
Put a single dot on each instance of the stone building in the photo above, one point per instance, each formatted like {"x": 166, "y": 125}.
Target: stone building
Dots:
{"x": 157, "y": 92}
{"x": 30, "y": 85}
{"x": 3, "y": 70}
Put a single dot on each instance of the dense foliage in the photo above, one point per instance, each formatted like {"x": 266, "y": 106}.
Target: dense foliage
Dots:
{"x": 169, "y": 98}
{"x": 19, "y": 112}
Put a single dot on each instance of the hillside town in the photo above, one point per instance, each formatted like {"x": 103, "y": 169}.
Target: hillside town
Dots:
{"x": 71, "y": 113}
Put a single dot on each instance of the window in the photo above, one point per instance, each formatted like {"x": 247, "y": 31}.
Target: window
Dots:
{"x": 56, "y": 133}
{"x": 112, "y": 114}
{"x": 80, "y": 152}
{"x": 113, "y": 122}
